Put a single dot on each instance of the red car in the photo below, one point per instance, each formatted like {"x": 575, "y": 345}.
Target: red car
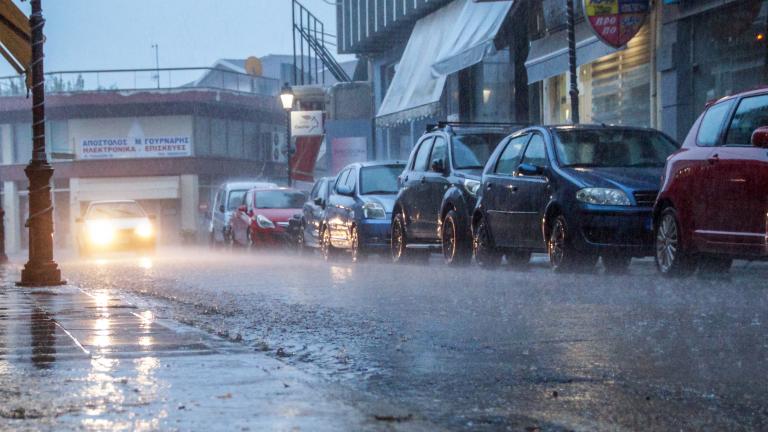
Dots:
{"x": 262, "y": 218}
{"x": 713, "y": 205}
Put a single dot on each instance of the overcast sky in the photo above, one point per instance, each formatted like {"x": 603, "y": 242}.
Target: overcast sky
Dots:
{"x": 113, "y": 34}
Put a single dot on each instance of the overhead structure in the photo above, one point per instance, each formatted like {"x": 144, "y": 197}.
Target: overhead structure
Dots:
{"x": 313, "y": 57}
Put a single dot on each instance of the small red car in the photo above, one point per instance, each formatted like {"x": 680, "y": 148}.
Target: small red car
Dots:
{"x": 262, "y": 218}
{"x": 713, "y": 205}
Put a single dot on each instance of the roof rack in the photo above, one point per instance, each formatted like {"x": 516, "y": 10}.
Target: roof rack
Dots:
{"x": 443, "y": 124}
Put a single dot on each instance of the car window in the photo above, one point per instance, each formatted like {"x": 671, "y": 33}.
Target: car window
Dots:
{"x": 323, "y": 190}
{"x": 352, "y": 179}
{"x": 316, "y": 190}
{"x": 712, "y": 124}
{"x": 510, "y": 157}
{"x": 612, "y": 147}
{"x": 115, "y": 210}
{"x": 439, "y": 152}
{"x": 279, "y": 199}
{"x": 341, "y": 179}
{"x": 751, "y": 114}
{"x": 379, "y": 179}
{"x": 471, "y": 151}
{"x": 235, "y": 199}
{"x": 422, "y": 156}
{"x": 219, "y": 200}
{"x": 248, "y": 200}
{"x": 536, "y": 153}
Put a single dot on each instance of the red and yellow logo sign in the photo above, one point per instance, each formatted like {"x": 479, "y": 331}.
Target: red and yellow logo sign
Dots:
{"x": 616, "y": 22}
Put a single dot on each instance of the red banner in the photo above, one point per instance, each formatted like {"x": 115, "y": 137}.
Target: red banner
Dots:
{"x": 304, "y": 159}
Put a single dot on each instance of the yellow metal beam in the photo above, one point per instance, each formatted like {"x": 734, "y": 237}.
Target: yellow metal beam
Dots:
{"x": 15, "y": 36}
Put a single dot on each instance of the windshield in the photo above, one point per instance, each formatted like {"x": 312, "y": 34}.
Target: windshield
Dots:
{"x": 613, "y": 148}
{"x": 116, "y": 210}
{"x": 380, "y": 179}
{"x": 473, "y": 151}
{"x": 235, "y": 199}
{"x": 279, "y": 199}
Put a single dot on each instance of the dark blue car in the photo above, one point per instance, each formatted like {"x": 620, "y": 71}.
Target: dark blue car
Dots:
{"x": 575, "y": 192}
{"x": 359, "y": 208}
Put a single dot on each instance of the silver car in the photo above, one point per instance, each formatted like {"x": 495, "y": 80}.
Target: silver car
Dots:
{"x": 227, "y": 199}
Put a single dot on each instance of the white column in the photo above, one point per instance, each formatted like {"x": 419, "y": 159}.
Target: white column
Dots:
{"x": 190, "y": 196}
{"x": 6, "y": 138}
{"x": 12, "y": 221}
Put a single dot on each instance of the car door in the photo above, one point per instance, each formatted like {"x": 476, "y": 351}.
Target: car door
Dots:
{"x": 412, "y": 190}
{"x": 330, "y": 218}
{"x": 501, "y": 193}
{"x": 740, "y": 195}
{"x": 313, "y": 212}
{"x": 241, "y": 220}
{"x": 343, "y": 210}
{"x": 433, "y": 187}
{"x": 532, "y": 194}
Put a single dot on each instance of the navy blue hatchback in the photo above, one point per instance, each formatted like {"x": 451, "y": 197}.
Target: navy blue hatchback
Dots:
{"x": 575, "y": 192}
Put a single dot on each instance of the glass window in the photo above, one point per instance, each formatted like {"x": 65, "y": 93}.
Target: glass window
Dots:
{"x": 219, "y": 137}
{"x": 628, "y": 148}
{"x": 341, "y": 179}
{"x": 510, "y": 157}
{"x": 438, "y": 151}
{"x": 323, "y": 191}
{"x": 58, "y": 141}
{"x": 351, "y": 180}
{"x": 712, "y": 124}
{"x": 316, "y": 190}
{"x": 115, "y": 210}
{"x": 536, "y": 152}
{"x": 235, "y": 200}
{"x": 379, "y": 179}
{"x": 751, "y": 114}
{"x": 422, "y": 155}
{"x": 471, "y": 151}
{"x": 279, "y": 199}
{"x": 252, "y": 141}
{"x": 202, "y": 136}
{"x": 235, "y": 139}
{"x": 22, "y": 142}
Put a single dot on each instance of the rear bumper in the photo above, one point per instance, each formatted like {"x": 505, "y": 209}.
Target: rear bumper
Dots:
{"x": 266, "y": 237}
{"x": 608, "y": 229}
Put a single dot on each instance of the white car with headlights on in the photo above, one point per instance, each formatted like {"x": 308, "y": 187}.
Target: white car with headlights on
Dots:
{"x": 115, "y": 226}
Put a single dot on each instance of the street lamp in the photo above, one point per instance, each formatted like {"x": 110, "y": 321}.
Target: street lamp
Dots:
{"x": 286, "y": 98}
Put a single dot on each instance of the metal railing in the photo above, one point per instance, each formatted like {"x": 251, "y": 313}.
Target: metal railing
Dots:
{"x": 127, "y": 80}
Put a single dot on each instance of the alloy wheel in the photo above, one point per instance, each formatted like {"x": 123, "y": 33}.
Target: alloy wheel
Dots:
{"x": 667, "y": 243}
{"x": 449, "y": 240}
{"x": 398, "y": 240}
{"x": 485, "y": 254}
{"x": 556, "y": 245}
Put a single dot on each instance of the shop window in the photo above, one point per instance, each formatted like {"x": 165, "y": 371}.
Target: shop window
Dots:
{"x": 729, "y": 50}
{"x": 202, "y": 136}
{"x": 22, "y": 142}
{"x": 57, "y": 142}
{"x": 251, "y": 141}
{"x": 219, "y": 137}
{"x": 491, "y": 85}
{"x": 235, "y": 138}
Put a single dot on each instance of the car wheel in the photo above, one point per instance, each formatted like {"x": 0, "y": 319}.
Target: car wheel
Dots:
{"x": 562, "y": 255}
{"x": 518, "y": 258}
{"x": 301, "y": 246}
{"x": 671, "y": 259}
{"x": 358, "y": 254}
{"x": 616, "y": 263}
{"x": 457, "y": 246}
{"x": 329, "y": 252}
{"x": 486, "y": 255}
{"x": 399, "y": 242}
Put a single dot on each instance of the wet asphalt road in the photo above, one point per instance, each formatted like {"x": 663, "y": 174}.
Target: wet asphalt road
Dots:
{"x": 482, "y": 350}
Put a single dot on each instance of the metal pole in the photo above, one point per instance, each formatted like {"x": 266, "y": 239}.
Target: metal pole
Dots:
{"x": 157, "y": 63}
{"x": 574, "y": 92}
{"x": 3, "y": 256}
{"x": 40, "y": 270}
{"x": 288, "y": 146}
{"x": 293, "y": 18}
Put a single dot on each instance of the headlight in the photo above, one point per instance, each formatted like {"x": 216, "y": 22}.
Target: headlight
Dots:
{"x": 100, "y": 232}
{"x": 374, "y": 210}
{"x": 145, "y": 230}
{"x": 264, "y": 222}
{"x": 472, "y": 186}
{"x": 603, "y": 196}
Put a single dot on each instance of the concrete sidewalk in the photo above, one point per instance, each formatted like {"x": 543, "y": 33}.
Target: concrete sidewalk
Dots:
{"x": 71, "y": 359}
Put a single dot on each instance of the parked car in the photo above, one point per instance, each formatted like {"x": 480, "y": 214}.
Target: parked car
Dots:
{"x": 312, "y": 214}
{"x": 359, "y": 208}
{"x": 227, "y": 199}
{"x": 115, "y": 225}
{"x": 713, "y": 205}
{"x": 576, "y": 192}
{"x": 438, "y": 189}
{"x": 262, "y": 217}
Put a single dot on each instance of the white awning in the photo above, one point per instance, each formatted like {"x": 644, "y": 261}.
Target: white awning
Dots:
{"x": 548, "y": 56}
{"x": 450, "y": 39}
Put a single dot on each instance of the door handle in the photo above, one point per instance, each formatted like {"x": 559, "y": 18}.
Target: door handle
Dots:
{"x": 715, "y": 158}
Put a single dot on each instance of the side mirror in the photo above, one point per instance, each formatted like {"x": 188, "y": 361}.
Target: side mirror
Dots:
{"x": 344, "y": 189}
{"x": 222, "y": 209}
{"x": 242, "y": 208}
{"x": 438, "y": 166}
{"x": 530, "y": 169}
{"x": 318, "y": 201}
{"x": 760, "y": 137}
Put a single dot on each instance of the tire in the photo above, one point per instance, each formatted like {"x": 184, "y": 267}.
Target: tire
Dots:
{"x": 518, "y": 258}
{"x": 671, "y": 259}
{"x": 357, "y": 252}
{"x": 457, "y": 243}
{"x": 399, "y": 244}
{"x": 301, "y": 245}
{"x": 563, "y": 257}
{"x": 486, "y": 254}
{"x": 616, "y": 263}
{"x": 328, "y": 251}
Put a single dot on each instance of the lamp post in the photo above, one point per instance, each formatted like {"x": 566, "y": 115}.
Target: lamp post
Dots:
{"x": 572, "y": 66}
{"x": 41, "y": 269}
{"x": 286, "y": 98}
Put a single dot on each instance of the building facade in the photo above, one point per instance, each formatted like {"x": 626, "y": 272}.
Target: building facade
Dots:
{"x": 166, "y": 147}
{"x": 513, "y": 65}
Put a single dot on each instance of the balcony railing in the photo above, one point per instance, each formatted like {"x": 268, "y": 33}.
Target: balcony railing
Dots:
{"x": 128, "y": 80}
